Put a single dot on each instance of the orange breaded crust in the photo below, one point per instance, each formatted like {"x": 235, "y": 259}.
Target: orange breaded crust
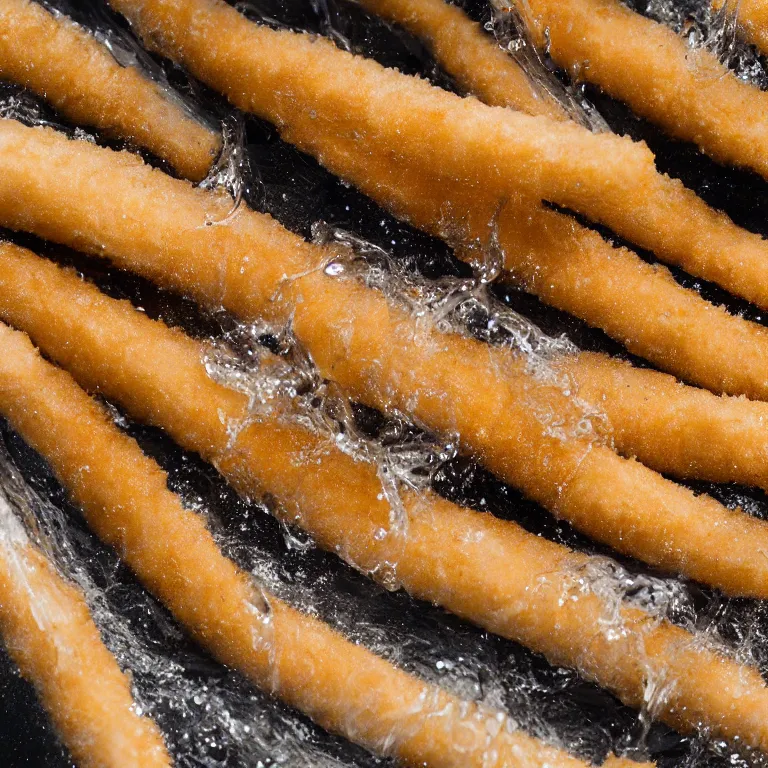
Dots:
{"x": 574, "y": 269}
{"x": 343, "y": 686}
{"x": 566, "y": 265}
{"x": 67, "y": 66}
{"x": 322, "y": 98}
{"x": 158, "y": 375}
{"x": 48, "y": 631}
{"x": 722, "y": 439}
{"x": 471, "y": 57}
{"x": 624, "y": 762}
{"x": 645, "y": 64}
{"x": 376, "y": 351}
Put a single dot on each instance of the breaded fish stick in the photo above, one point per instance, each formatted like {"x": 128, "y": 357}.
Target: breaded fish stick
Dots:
{"x": 574, "y": 269}
{"x": 67, "y": 66}
{"x": 645, "y": 64}
{"x": 343, "y": 686}
{"x": 374, "y": 350}
{"x": 720, "y": 439}
{"x": 48, "y": 631}
{"x": 471, "y": 57}
{"x": 320, "y": 96}
{"x": 752, "y": 16}
{"x": 158, "y": 375}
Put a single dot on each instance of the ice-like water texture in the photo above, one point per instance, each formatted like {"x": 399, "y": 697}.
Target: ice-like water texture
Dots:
{"x": 704, "y": 27}
{"x": 507, "y": 24}
{"x": 290, "y": 387}
{"x": 18, "y": 104}
{"x": 450, "y": 305}
{"x": 466, "y": 307}
{"x": 231, "y": 171}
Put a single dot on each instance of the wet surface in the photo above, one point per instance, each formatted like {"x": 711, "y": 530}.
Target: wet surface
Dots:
{"x": 174, "y": 674}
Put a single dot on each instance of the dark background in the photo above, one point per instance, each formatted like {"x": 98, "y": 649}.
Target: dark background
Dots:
{"x": 548, "y": 701}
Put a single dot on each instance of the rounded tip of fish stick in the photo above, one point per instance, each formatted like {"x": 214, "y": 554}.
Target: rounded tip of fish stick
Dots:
{"x": 65, "y": 64}
{"x": 48, "y": 631}
{"x": 197, "y": 166}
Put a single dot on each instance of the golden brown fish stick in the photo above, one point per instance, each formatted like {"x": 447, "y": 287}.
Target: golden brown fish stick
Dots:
{"x": 574, "y": 269}
{"x": 721, "y": 439}
{"x": 645, "y": 64}
{"x": 159, "y": 376}
{"x": 346, "y": 688}
{"x": 48, "y": 631}
{"x": 521, "y": 428}
{"x": 319, "y": 95}
{"x": 66, "y": 65}
{"x": 471, "y": 57}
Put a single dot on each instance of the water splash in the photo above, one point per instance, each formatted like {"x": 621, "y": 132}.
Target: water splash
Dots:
{"x": 16, "y": 103}
{"x": 617, "y": 587}
{"x": 289, "y": 386}
{"x": 448, "y": 304}
{"x": 508, "y": 25}
{"x": 706, "y": 28}
{"x": 232, "y": 170}
{"x": 330, "y": 23}
{"x": 254, "y": 11}
{"x": 467, "y": 307}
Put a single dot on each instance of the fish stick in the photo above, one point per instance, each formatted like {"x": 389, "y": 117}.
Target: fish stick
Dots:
{"x": 573, "y": 269}
{"x": 318, "y": 96}
{"x": 344, "y": 687}
{"x": 645, "y": 64}
{"x": 159, "y": 376}
{"x": 720, "y": 439}
{"x": 48, "y": 631}
{"x": 673, "y": 428}
{"x": 63, "y": 63}
{"x": 522, "y": 429}
{"x": 464, "y": 51}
